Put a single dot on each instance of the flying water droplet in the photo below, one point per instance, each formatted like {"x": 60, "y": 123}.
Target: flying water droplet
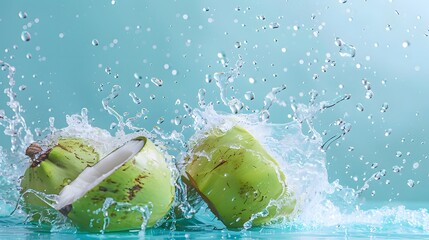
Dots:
{"x": 369, "y": 94}
{"x": 22, "y": 15}
{"x": 134, "y": 97}
{"x": 410, "y": 183}
{"x": 360, "y": 107}
{"x": 264, "y": 115}
{"x": 177, "y": 120}
{"x": 396, "y": 169}
{"x": 249, "y": 95}
{"x": 208, "y": 78}
{"x": 387, "y": 132}
{"x": 201, "y": 97}
{"x": 405, "y": 44}
{"x": 137, "y": 76}
{"x": 384, "y": 107}
{"x": 25, "y": 36}
{"x": 108, "y": 70}
{"x": 346, "y": 50}
{"x": 160, "y": 120}
{"x": 158, "y": 82}
{"x": 274, "y": 25}
{"x": 235, "y": 105}
{"x": 94, "y": 42}
{"x": 187, "y": 108}
{"x": 398, "y": 154}
{"x": 388, "y": 27}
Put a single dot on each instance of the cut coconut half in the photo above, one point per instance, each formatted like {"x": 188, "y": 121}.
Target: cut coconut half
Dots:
{"x": 92, "y": 176}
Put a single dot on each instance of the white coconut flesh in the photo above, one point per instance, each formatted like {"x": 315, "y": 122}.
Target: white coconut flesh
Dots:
{"x": 92, "y": 176}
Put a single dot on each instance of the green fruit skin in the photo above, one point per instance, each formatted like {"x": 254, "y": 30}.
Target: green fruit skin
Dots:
{"x": 237, "y": 178}
{"x": 144, "y": 180}
{"x": 63, "y": 164}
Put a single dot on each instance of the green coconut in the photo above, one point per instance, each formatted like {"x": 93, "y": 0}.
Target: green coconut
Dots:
{"x": 53, "y": 169}
{"x": 129, "y": 189}
{"x": 239, "y": 180}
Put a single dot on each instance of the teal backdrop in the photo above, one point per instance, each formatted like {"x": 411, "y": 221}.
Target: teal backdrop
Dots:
{"x": 281, "y": 42}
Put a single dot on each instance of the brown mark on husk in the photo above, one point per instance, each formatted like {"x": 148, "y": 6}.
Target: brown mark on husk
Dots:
{"x": 36, "y": 153}
{"x": 132, "y": 191}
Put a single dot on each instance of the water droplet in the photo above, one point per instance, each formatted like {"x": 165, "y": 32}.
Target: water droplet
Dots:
{"x": 206, "y": 9}
{"x": 410, "y": 183}
{"x": 379, "y": 175}
{"x": 95, "y": 42}
{"x": 398, "y": 154}
{"x": 264, "y": 115}
{"x": 25, "y": 36}
{"x": 160, "y": 120}
{"x": 274, "y": 25}
{"x": 369, "y": 94}
{"x": 342, "y": 1}
{"x": 360, "y": 107}
{"x": 405, "y": 44}
{"x": 201, "y": 97}
{"x": 22, "y": 87}
{"x": 416, "y": 165}
{"x": 235, "y": 105}
{"x": 237, "y": 45}
{"x": 384, "y": 107}
{"x": 22, "y": 14}
{"x": 315, "y": 76}
{"x": 249, "y": 95}
{"x": 177, "y": 120}
{"x": 61, "y": 35}
{"x": 208, "y": 78}
{"x": 388, "y": 27}
{"x": 396, "y": 169}
{"x": 187, "y": 108}
{"x": 108, "y": 70}
{"x": 28, "y": 56}
{"x": 346, "y": 50}
{"x": 158, "y": 82}
{"x": 134, "y": 97}
{"x": 387, "y": 132}
{"x": 137, "y": 76}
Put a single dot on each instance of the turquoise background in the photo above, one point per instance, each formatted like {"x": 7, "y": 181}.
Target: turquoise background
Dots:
{"x": 64, "y": 74}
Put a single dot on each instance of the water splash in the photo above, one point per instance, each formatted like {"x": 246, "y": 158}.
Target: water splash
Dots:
{"x": 300, "y": 153}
